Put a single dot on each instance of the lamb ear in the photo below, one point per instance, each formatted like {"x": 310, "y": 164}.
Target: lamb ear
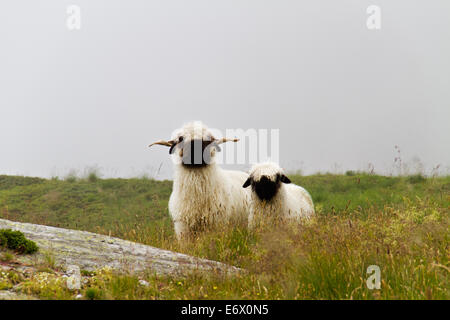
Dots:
{"x": 247, "y": 183}
{"x": 284, "y": 179}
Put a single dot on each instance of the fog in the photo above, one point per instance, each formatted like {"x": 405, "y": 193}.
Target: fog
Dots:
{"x": 341, "y": 95}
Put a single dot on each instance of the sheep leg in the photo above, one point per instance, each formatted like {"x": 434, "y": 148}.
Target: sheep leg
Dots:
{"x": 251, "y": 223}
{"x": 181, "y": 229}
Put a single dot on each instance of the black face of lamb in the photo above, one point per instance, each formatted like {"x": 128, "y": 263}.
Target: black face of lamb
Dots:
{"x": 197, "y": 153}
{"x": 265, "y": 188}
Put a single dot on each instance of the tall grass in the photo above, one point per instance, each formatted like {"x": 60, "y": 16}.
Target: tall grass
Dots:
{"x": 400, "y": 224}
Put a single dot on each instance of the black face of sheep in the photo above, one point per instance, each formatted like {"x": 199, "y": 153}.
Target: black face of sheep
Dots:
{"x": 266, "y": 188}
{"x": 193, "y": 146}
{"x": 197, "y": 153}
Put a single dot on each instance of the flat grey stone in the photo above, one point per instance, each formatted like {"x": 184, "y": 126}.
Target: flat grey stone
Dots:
{"x": 11, "y": 295}
{"x": 90, "y": 251}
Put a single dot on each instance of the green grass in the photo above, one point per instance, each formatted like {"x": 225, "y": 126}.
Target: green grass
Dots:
{"x": 400, "y": 224}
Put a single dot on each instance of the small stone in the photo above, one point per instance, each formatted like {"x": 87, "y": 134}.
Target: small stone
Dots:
{"x": 79, "y": 296}
{"x": 74, "y": 277}
{"x": 144, "y": 283}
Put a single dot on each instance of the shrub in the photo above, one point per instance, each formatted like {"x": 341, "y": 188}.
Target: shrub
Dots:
{"x": 71, "y": 178}
{"x": 94, "y": 294}
{"x": 417, "y": 178}
{"x": 15, "y": 240}
{"x": 92, "y": 177}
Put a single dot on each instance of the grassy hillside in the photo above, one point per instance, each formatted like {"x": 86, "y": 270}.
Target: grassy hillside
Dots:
{"x": 398, "y": 223}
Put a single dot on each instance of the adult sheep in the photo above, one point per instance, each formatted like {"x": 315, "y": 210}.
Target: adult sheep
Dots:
{"x": 204, "y": 195}
{"x": 274, "y": 196}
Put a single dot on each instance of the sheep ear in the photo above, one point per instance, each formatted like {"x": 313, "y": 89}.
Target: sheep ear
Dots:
{"x": 247, "y": 183}
{"x": 285, "y": 179}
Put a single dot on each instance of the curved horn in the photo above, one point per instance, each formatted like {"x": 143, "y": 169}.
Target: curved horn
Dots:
{"x": 163, "y": 143}
{"x": 223, "y": 140}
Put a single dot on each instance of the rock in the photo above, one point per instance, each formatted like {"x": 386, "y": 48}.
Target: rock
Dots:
{"x": 11, "y": 295}
{"x": 79, "y": 296}
{"x": 90, "y": 251}
{"x": 74, "y": 277}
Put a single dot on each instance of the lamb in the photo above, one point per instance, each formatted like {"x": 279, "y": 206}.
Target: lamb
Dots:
{"x": 204, "y": 196}
{"x": 274, "y": 196}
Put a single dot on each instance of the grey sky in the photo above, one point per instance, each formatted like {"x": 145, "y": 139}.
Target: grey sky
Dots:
{"x": 341, "y": 95}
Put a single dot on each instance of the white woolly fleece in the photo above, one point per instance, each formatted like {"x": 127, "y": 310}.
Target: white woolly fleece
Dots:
{"x": 291, "y": 201}
{"x": 268, "y": 169}
{"x": 207, "y": 196}
{"x": 193, "y": 130}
